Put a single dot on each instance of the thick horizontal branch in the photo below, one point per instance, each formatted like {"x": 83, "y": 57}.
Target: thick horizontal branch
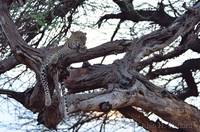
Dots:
{"x": 158, "y": 58}
{"x": 161, "y": 38}
{"x": 157, "y": 17}
{"x": 7, "y": 64}
{"x": 50, "y": 117}
{"x": 170, "y": 109}
{"x": 145, "y": 122}
{"x": 109, "y": 48}
{"x": 186, "y": 70}
{"x": 189, "y": 41}
{"x": 192, "y": 64}
{"x": 96, "y": 76}
{"x": 22, "y": 97}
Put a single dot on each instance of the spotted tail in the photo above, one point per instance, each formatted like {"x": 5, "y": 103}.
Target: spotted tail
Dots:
{"x": 43, "y": 79}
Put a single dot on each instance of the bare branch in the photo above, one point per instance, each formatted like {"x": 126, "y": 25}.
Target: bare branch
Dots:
{"x": 145, "y": 122}
{"x": 7, "y": 64}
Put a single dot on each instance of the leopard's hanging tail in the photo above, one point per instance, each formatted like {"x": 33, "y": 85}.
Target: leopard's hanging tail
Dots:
{"x": 44, "y": 81}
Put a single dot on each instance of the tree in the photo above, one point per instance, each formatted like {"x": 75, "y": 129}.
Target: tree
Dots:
{"x": 128, "y": 85}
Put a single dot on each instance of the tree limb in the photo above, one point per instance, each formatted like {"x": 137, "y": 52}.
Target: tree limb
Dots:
{"x": 145, "y": 122}
{"x": 7, "y": 64}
